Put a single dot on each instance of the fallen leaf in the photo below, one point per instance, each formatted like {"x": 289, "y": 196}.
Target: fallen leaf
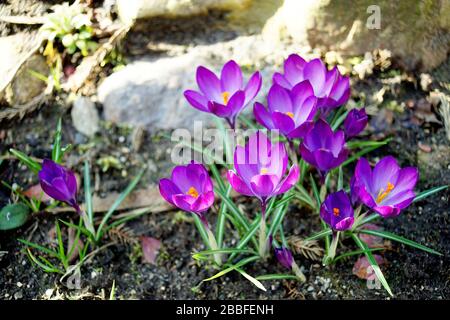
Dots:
{"x": 370, "y": 240}
{"x": 424, "y": 147}
{"x": 424, "y": 113}
{"x": 362, "y": 268}
{"x": 150, "y": 247}
{"x": 35, "y": 192}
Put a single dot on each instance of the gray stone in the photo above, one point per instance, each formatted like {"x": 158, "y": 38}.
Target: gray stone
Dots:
{"x": 417, "y": 32}
{"x": 85, "y": 116}
{"x": 150, "y": 94}
{"x": 133, "y": 9}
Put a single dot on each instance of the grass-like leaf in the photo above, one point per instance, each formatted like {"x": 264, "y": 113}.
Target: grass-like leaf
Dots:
{"x": 373, "y": 263}
{"x": 319, "y": 235}
{"x": 33, "y": 165}
{"x": 87, "y": 192}
{"x": 276, "y": 276}
{"x": 394, "y": 237}
{"x": 117, "y": 203}
{"x": 202, "y": 254}
{"x": 50, "y": 252}
{"x": 56, "y": 151}
{"x": 429, "y": 192}
{"x": 256, "y": 282}
{"x": 241, "y": 263}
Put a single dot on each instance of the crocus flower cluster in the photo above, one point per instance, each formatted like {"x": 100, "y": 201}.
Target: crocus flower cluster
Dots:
{"x": 59, "y": 183}
{"x": 225, "y": 96}
{"x": 330, "y": 87}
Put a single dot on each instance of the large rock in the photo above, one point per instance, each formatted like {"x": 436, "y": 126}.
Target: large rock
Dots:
{"x": 17, "y": 85}
{"x": 416, "y": 31}
{"x": 150, "y": 93}
{"x": 134, "y": 9}
{"x": 85, "y": 116}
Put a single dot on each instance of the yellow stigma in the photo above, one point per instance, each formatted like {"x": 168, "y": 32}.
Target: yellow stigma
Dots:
{"x": 263, "y": 171}
{"x": 290, "y": 114}
{"x": 192, "y": 192}
{"x": 383, "y": 194}
{"x": 225, "y": 97}
{"x": 336, "y": 212}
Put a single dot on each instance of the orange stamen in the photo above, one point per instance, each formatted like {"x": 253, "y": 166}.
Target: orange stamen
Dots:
{"x": 383, "y": 194}
{"x": 290, "y": 114}
{"x": 192, "y": 192}
{"x": 225, "y": 97}
{"x": 263, "y": 171}
{"x": 336, "y": 212}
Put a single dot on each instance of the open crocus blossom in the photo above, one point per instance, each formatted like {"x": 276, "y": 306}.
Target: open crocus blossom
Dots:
{"x": 330, "y": 87}
{"x": 59, "y": 183}
{"x": 355, "y": 122}
{"x": 337, "y": 211}
{"x": 290, "y": 112}
{"x": 260, "y": 168}
{"x": 387, "y": 189}
{"x": 190, "y": 188}
{"x": 323, "y": 148}
{"x": 224, "y": 97}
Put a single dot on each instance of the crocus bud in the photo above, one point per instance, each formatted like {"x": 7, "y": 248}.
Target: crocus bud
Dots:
{"x": 337, "y": 211}
{"x": 59, "y": 183}
{"x": 355, "y": 122}
{"x": 284, "y": 256}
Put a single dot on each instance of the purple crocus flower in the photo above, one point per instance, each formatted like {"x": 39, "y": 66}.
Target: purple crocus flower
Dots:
{"x": 224, "y": 97}
{"x": 290, "y": 112}
{"x": 190, "y": 188}
{"x": 387, "y": 189}
{"x": 337, "y": 211}
{"x": 59, "y": 183}
{"x": 330, "y": 87}
{"x": 355, "y": 122}
{"x": 323, "y": 148}
{"x": 260, "y": 169}
{"x": 284, "y": 257}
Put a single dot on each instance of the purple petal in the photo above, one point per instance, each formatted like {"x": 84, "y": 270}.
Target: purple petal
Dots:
{"x": 238, "y": 184}
{"x": 236, "y": 102}
{"x": 279, "y": 79}
{"x": 262, "y": 116}
{"x": 196, "y": 100}
{"x": 315, "y": 72}
{"x": 293, "y": 68}
{"x": 167, "y": 189}
{"x": 203, "y": 202}
{"x": 406, "y": 180}
{"x": 220, "y": 110}
{"x": 301, "y": 130}
{"x": 278, "y": 99}
{"x": 301, "y": 91}
{"x": 386, "y": 170}
{"x": 231, "y": 77}
{"x": 283, "y": 122}
{"x": 180, "y": 179}
{"x": 290, "y": 180}
{"x": 209, "y": 84}
{"x": 344, "y": 224}
{"x": 263, "y": 184}
{"x": 253, "y": 87}
{"x": 183, "y": 201}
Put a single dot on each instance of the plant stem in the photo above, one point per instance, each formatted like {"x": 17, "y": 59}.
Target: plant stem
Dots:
{"x": 293, "y": 152}
{"x": 262, "y": 231}
{"x": 212, "y": 241}
{"x": 332, "y": 251}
